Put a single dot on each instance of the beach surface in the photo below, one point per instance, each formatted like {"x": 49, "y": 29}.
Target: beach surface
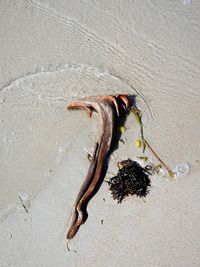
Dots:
{"x": 53, "y": 52}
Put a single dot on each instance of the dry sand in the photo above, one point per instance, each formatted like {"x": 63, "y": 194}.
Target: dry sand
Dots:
{"x": 55, "y": 51}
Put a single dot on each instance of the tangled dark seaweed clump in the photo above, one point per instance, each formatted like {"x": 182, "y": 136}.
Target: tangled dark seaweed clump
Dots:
{"x": 131, "y": 179}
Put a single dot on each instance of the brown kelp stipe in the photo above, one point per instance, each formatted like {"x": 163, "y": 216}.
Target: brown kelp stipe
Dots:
{"x": 108, "y": 109}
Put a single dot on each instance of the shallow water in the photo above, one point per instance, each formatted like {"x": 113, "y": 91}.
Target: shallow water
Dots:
{"x": 52, "y": 53}
{"x": 36, "y": 127}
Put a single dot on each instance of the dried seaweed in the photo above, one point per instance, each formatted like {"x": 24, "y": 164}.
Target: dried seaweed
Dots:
{"x": 131, "y": 179}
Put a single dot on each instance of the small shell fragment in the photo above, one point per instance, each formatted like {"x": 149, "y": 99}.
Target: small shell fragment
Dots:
{"x": 162, "y": 173}
{"x": 24, "y": 198}
{"x": 182, "y": 169}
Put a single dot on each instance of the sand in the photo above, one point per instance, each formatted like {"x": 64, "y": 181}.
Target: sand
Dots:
{"x": 53, "y": 52}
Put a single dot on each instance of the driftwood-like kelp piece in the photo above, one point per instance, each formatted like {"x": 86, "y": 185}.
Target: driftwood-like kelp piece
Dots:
{"x": 108, "y": 109}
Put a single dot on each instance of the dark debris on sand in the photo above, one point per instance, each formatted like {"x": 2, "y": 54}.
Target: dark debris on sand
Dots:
{"x": 131, "y": 179}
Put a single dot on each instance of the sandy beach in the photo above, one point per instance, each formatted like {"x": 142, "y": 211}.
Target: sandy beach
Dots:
{"x": 53, "y": 52}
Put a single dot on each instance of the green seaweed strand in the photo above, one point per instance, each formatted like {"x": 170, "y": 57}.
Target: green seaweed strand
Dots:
{"x": 138, "y": 116}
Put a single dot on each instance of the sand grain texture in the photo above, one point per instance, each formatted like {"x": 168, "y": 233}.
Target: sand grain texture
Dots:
{"x": 53, "y": 52}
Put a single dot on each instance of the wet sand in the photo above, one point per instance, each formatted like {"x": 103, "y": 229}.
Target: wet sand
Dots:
{"x": 54, "y": 53}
